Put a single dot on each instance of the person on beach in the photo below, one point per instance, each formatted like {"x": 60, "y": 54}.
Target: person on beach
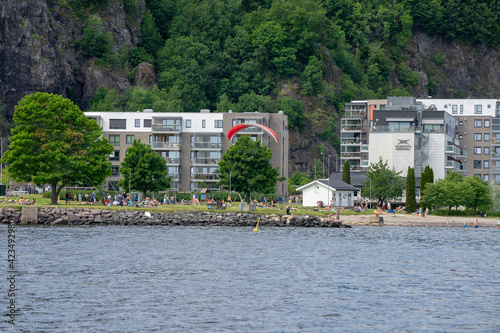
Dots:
{"x": 476, "y": 224}
{"x": 409, "y": 223}
{"x": 66, "y": 197}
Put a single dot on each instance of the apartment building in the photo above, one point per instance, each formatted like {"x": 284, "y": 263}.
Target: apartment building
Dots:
{"x": 192, "y": 143}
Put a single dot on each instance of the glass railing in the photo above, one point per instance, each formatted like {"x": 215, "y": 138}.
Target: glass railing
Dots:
{"x": 382, "y": 129}
{"x": 452, "y": 165}
{"x": 166, "y": 145}
{"x": 174, "y": 176}
{"x": 206, "y": 160}
{"x": 352, "y": 128}
{"x": 495, "y": 155}
{"x": 205, "y": 176}
{"x": 207, "y": 145}
{"x": 365, "y": 148}
{"x": 350, "y": 154}
{"x": 166, "y": 128}
{"x": 355, "y": 114}
{"x": 171, "y": 160}
{"x": 495, "y": 141}
{"x": 364, "y": 163}
{"x": 350, "y": 141}
{"x": 495, "y": 169}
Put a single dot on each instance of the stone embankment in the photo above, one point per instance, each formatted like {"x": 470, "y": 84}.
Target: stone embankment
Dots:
{"x": 89, "y": 216}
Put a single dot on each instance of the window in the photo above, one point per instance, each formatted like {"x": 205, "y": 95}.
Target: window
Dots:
{"x": 147, "y": 122}
{"x": 486, "y": 164}
{"x": 486, "y": 136}
{"x": 382, "y": 106}
{"x": 461, "y": 109}
{"x": 218, "y": 123}
{"x": 478, "y": 109}
{"x": 477, "y": 151}
{"x": 188, "y": 123}
{"x": 478, "y": 123}
{"x": 114, "y": 139}
{"x": 115, "y": 170}
{"x": 117, "y": 124}
{"x": 112, "y": 185}
{"x": 203, "y": 123}
{"x": 486, "y": 150}
{"x": 115, "y": 155}
{"x": 489, "y": 106}
{"x": 477, "y": 164}
{"x": 137, "y": 122}
{"x": 486, "y": 177}
{"x": 446, "y": 106}
{"x": 478, "y": 137}
{"x": 486, "y": 123}
{"x": 130, "y": 139}
{"x": 454, "y": 109}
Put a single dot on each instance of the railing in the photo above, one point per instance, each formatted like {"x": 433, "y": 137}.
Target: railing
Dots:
{"x": 350, "y": 141}
{"x": 355, "y": 114}
{"x": 495, "y": 141}
{"x": 434, "y": 130}
{"x": 175, "y": 176}
{"x": 453, "y": 150}
{"x": 207, "y": 145}
{"x": 495, "y": 155}
{"x": 205, "y": 176}
{"x": 495, "y": 128}
{"x": 364, "y": 163}
{"x": 206, "y": 160}
{"x": 166, "y": 128}
{"x": 171, "y": 160}
{"x": 352, "y": 128}
{"x": 350, "y": 154}
{"x": 355, "y": 168}
{"x": 453, "y": 165}
{"x": 495, "y": 169}
{"x": 365, "y": 148}
{"x": 383, "y": 129}
{"x": 166, "y": 145}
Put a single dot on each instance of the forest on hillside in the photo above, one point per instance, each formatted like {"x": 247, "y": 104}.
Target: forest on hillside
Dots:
{"x": 238, "y": 55}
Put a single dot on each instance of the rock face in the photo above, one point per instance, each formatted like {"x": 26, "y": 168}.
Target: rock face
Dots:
{"x": 39, "y": 51}
{"x": 87, "y": 216}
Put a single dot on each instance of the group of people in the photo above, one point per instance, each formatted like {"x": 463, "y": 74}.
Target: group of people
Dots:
{"x": 85, "y": 198}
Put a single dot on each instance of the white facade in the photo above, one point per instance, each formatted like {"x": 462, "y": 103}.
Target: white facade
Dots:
{"x": 398, "y": 149}
{"x": 462, "y": 106}
{"x": 319, "y": 190}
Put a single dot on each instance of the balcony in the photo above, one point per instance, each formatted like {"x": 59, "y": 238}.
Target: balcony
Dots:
{"x": 365, "y": 148}
{"x": 207, "y": 145}
{"x": 453, "y": 165}
{"x": 364, "y": 164}
{"x": 175, "y": 176}
{"x": 209, "y": 177}
{"x": 457, "y": 151}
{"x": 350, "y": 142}
{"x": 355, "y": 114}
{"x": 495, "y": 169}
{"x": 172, "y": 161}
{"x": 205, "y": 161}
{"x": 351, "y": 155}
{"x": 495, "y": 141}
{"x": 495, "y": 155}
{"x": 166, "y": 145}
{"x": 387, "y": 129}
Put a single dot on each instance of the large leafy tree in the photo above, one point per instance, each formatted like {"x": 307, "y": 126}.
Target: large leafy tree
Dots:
{"x": 55, "y": 143}
{"x": 384, "y": 182}
{"x": 143, "y": 169}
{"x": 246, "y": 165}
{"x": 411, "y": 202}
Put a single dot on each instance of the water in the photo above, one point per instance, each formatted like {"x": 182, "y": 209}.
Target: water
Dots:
{"x": 219, "y": 279}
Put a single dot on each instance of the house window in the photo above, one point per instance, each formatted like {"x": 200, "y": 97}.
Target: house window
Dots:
{"x": 188, "y": 123}
{"x": 115, "y": 170}
{"x": 129, "y": 139}
{"x": 478, "y": 137}
{"x": 477, "y": 164}
{"x": 461, "y": 109}
{"x": 117, "y": 124}
{"x": 454, "y": 109}
{"x": 486, "y": 164}
{"x": 486, "y": 150}
{"x": 218, "y": 123}
{"x": 486, "y": 136}
{"x": 486, "y": 123}
{"x": 203, "y": 123}
{"x": 486, "y": 177}
{"x": 137, "y": 122}
{"x": 115, "y": 156}
{"x": 478, "y": 109}
{"x": 477, "y": 151}
{"x": 147, "y": 122}
{"x": 478, "y": 123}
{"x": 114, "y": 139}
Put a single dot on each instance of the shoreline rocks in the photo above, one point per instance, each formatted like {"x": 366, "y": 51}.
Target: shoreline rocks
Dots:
{"x": 91, "y": 216}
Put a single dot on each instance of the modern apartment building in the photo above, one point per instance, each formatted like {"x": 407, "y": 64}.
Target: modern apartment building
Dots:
{"x": 191, "y": 143}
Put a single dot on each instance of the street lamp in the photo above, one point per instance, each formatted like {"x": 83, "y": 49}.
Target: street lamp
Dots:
{"x": 329, "y": 157}
{"x": 323, "y": 166}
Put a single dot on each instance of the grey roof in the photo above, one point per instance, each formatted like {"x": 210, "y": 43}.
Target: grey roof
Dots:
{"x": 338, "y": 185}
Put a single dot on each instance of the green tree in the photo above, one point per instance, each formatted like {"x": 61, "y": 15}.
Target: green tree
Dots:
{"x": 411, "y": 201}
{"x": 246, "y": 164}
{"x": 312, "y": 77}
{"x": 482, "y": 194}
{"x": 384, "y": 182}
{"x": 224, "y": 104}
{"x": 299, "y": 178}
{"x": 151, "y": 39}
{"x": 346, "y": 173}
{"x": 55, "y": 143}
{"x": 95, "y": 42}
{"x": 143, "y": 169}
{"x": 294, "y": 109}
{"x": 427, "y": 177}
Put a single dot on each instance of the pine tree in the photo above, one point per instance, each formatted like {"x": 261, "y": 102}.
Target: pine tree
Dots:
{"x": 346, "y": 173}
{"x": 426, "y": 178}
{"x": 411, "y": 202}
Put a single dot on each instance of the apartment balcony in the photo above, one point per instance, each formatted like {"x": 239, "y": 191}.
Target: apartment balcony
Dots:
{"x": 354, "y": 142}
{"x": 163, "y": 125}
{"x": 387, "y": 129}
{"x": 172, "y": 161}
{"x": 174, "y": 176}
{"x": 365, "y": 148}
{"x": 364, "y": 163}
{"x": 456, "y": 151}
{"x": 351, "y": 155}
{"x": 206, "y": 145}
{"x": 454, "y": 165}
{"x": 208, "y": 177}
{"x": 495, "y": 155}
{"x": 166, "y": 145}
{"x": 495, "y": 169}
{"x": 206, "y": 161}
{"x": 355, "y": 168}
{"x": 495, "y": 141}
{"x": 355, "y": 113}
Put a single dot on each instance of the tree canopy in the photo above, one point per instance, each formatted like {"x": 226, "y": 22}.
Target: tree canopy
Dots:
{"x": 411, "y": 202}
{"x": 346, "y": 173}
{"x": 246, "y": 166}
{"x": 385, "y": 183}
{"x": 54, "y": 143}
{"x": 143, "y": 169}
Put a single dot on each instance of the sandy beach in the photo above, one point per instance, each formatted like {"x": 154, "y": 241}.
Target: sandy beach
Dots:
{"x": 417, "y": 221}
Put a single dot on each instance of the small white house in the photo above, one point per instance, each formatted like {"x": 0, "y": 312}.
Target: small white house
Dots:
{"x": 324, "y": 190}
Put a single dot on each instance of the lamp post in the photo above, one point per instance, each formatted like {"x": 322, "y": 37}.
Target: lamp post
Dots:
{"x": 370, "y": 193}
{"x": 323, "y": 166}
{"x": 329, "y": 158}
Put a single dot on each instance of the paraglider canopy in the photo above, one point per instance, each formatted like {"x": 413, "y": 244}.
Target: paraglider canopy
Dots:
{"x": 240, "y": 127}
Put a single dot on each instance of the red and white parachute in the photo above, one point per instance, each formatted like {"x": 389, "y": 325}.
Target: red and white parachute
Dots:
{"x": 239, "y": 127}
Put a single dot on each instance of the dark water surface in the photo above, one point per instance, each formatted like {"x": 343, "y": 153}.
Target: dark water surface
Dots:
{"x": 220, "y": 279}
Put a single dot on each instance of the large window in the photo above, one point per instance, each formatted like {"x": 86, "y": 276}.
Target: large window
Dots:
{"x": 486, "y": 164}
{"x": 478, "y": 123}
{"x": 486, "y": 136}
{"x": 137, "y": 122}
{"x": 454, "y": 109}
{"x": 147, "y": 122}
{"x": 113, "y": 185}
{"x": 130, "y": 139}
{"x": 188, "y": 123}
{"x": 477, "y": 164}
{"x": 477, "y": 151}
{"x": 486, "y": 123}
{"x": 218, "y": 123}
{"x": 478, "y": 137}
{"x": 115, "y": 156}
{"x": 114, "y": 139}
{"x": 117, "y": 124}
{"x": 115, "y": 170}
{"x": 478, "y": 109}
